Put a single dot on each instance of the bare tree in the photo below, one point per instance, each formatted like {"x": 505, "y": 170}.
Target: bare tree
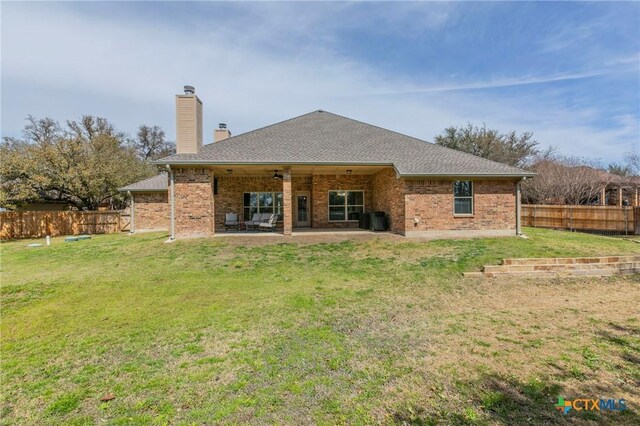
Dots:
{"x": 564, "y": 180}
{"x": 632, "y": 160}
{"x": 624, "y": 170}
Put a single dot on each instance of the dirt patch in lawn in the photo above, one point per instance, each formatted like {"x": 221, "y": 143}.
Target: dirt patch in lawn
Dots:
{"x": 510, "y": 347}
{"x": 262, "y": 239}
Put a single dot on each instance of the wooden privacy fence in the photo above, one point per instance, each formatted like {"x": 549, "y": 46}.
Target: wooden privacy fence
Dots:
{"x": 615, "y": 220}
{"x": 39, "y": 224}
{"x": 607, "y": 219}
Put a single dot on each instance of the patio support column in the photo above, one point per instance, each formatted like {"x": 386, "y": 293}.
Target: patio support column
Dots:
{"x": 212, "y": 184}
{"x": 172, "y": 205}
{"x": 620, "y": 197}
{"x": 132, "y": 207}
{"x": 518, "y": 209}
{"x": 287, "y": 202}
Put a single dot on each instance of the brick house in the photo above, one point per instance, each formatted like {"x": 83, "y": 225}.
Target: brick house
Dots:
{"x": 321, "y": 171}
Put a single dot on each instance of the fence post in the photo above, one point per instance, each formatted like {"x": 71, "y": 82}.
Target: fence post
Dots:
{"x": 571, "y": 218}
{"x": 626, "y": 221}
{"x": 534, "y": 215}
{"x": 48, "y": 231}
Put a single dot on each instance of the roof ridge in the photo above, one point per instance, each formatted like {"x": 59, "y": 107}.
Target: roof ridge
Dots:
{"x": 262, "y": 128}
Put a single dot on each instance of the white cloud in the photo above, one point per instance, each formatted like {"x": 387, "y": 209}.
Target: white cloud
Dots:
{"x": 571, "y": 35}
{"x": 62, "y": 63}
{"x": 509, "y": 82}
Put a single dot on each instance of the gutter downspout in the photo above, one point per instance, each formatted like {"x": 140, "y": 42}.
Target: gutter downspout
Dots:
{"x": 519, "y": 208}
{"x": 132, "y": 228}
{"x": 172, "y": 221}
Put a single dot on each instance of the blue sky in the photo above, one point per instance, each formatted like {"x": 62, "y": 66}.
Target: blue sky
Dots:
{"x": 569, "y": 72}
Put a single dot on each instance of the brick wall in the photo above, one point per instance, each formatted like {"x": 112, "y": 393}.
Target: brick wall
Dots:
{"x": 388, "y": 196}
{"x": 404, "y": 201}
{"x": 194, "y": 204}
{"x": 322, "y": 184}
{"x": 151, "y": 210}
{"x": 431, "y": 202}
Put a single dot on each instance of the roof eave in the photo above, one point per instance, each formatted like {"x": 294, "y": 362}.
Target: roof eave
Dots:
{"x": 472, "y": 175}
{"x": 262, "y": 163}
{"x": 336, "y": 163}
{"x": 142, "y": 190}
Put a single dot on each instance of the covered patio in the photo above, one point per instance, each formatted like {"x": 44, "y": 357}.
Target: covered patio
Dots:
{"x": 305, "y": 198}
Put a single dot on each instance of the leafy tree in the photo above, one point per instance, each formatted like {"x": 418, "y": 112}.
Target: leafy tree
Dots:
{"x": 150, "y": 143}
{"x": 508, "y": 148}
{"x": 82, "y": 164}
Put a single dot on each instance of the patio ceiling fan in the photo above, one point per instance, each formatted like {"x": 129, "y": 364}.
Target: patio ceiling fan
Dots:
{"x": 276, "y": 175}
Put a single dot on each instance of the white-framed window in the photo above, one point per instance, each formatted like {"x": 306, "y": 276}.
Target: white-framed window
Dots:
{"x": 463, "y": 197}
{"x": 345, "y": 205}
{"x": 262, "y": 202}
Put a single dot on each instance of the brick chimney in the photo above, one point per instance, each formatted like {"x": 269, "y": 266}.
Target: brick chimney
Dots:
{"x": 188, "y": 122}
{"x": 221, "y": 133}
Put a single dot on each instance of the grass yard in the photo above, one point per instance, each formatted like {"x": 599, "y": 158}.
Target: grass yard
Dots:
{"x": 379, "y": 330}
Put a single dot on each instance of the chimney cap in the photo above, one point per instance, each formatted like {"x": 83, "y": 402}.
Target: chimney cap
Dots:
{"x": 189, "y": 90}
{"x": 222, "y": 126}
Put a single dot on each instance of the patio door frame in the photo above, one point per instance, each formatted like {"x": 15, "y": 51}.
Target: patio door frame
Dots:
{"x": 306, "y": 224}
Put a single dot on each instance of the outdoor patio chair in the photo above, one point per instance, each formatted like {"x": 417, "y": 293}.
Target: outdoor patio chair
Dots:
{"x": 231, "y": 221}
{"x": 255, "y": 221}
{"x": 269, "y": 225}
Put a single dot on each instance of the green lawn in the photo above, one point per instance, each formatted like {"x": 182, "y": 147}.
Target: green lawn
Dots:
{"x": 207, "y": 331}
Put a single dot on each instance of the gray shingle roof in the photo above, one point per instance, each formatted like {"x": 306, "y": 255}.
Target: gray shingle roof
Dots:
{"x": 159, "y": 182}
{"x": 321, "y": 137}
